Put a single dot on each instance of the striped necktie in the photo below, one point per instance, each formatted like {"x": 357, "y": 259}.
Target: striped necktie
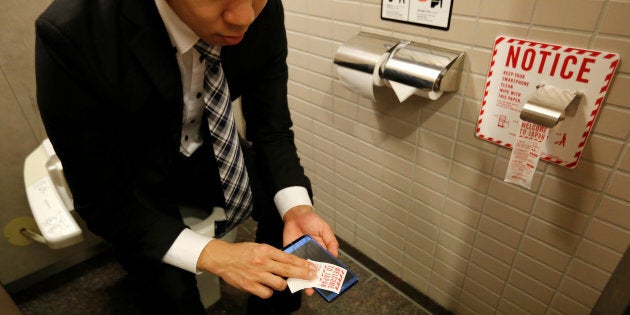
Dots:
{"x": 227, "y": 149}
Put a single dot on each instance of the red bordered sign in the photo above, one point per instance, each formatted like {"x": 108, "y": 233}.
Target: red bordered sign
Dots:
{"x": 518, "y": 66}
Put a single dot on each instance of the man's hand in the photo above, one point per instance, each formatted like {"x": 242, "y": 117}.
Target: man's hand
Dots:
{"x": 252, "y": 267}
{"x": 301, "y": 220}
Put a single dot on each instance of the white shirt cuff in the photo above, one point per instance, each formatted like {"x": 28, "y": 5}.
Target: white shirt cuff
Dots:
{"x": 186, "y": 249}
{"x": 290, "y": 197}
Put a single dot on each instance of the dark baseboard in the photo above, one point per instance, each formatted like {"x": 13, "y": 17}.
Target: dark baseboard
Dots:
{"x": 393, "y": 280}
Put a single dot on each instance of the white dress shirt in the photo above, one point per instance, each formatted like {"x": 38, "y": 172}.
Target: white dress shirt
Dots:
{"x": 185, "y": 251}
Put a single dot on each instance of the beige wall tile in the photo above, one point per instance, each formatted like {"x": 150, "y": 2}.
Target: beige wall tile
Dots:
{"x": 552, "y": 235}
{"x": 499, "y": 231}
{"x": 612, "y": 122}
{"x": 479, "y": 60}
{"x": 458, "y": 230}
{"x": 348, "y": 11}
{"x": 505, "y": 213}
{"x": 523, "y": 300}
{"x": 566, "y": 305}
{"x": 465, "y": 195}
{"x": 295, "y": 6}
{"x": 436, "y": 163}
{"x": 617, "y": 94}
{"x": 448, "y": 273}
{"x": 321, "y": 47}
{"x": 598, "y": 256}
{"x": 426, "y": 177}
{"x": 488, "y": 31}
{"x": 511, "y": 195}
{"x": 532, "y": 287}
{"x": 615, "y": 212}
{"x": 568, "y": 194}
{"x": 428, "y": 196}
{"x": 321, "y": 8}
{"x": 561, "y": 37}
{"x": 494, "y": 266}
{"x": 436, "y": 122}
{"x": 510, "y": 10}
{"x": 475, "y": 158}
{"x": 537, "y": 270}
{"x": 588, "y": 274}
{"x": 495, "y": 248}
{"x": 586, "y": 174}
{"x": 450, "y": 258}
{"x": 507, "y": 307}
{"x": 436, "y": 143}
{"x": 297, "y": 26}
{"x": 492, "y": 285}
{"x": 561, "y": 216}
{"x": 608, "y": 235}
{"x": 617, "y": 45}
{"x": 461, "y": 213}
{"x": 470, "y": 177}
{"x": 462, "y": 31}
{"x": 619, "y": 187}
{"x": 579, "y": 292}
{"x": 421, "y": 270}
{"x": 544, "y": 253}
{"x": 322, "y": 29}
{"x": 466, "y": 136}
{"x": 615, "y": 20}
{"x": 624, "y": 164}
{"x": 583, "y": 14}
{"x": 601, "y": 149}
{"x": 425, "y": 212}
{"x": 470, "y": 7}
{"x": 471, "y": 304}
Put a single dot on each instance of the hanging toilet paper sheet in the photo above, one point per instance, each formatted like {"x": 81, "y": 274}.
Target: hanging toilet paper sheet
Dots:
{"x": 526, "y": 154}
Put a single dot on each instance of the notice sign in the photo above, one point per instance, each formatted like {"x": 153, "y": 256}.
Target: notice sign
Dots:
{"x": 517, "y": 69}
{"x": 430, "y": 13}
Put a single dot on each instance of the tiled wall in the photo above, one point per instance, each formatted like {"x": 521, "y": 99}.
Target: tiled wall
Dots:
{"x": 410, "y": 185}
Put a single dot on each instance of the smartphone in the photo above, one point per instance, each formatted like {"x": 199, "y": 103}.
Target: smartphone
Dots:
{"x": 308, "y": 248}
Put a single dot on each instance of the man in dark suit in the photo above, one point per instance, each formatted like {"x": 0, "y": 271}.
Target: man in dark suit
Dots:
{"x": 119, "y": 88}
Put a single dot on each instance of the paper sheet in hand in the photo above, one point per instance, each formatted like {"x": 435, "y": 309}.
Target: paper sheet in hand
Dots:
{"x": 308, "y": 248}
{"x": 329, "y": 277}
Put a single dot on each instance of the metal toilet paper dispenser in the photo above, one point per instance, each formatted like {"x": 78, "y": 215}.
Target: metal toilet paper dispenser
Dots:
{"x": 426, "y": 70}
{"x": 549, "y": 105}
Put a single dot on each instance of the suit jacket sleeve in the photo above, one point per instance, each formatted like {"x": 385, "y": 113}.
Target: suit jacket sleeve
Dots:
{"x": 91, "y": 123}
{"x": 257, "y": 70}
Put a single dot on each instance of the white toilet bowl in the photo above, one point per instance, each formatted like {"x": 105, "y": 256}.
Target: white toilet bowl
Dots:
{"x": 208, "y": 284}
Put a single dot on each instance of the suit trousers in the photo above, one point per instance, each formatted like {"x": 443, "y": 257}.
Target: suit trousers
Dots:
{"x": 163, "y": 289}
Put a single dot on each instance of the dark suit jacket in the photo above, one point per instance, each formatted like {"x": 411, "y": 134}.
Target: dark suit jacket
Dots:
{"x": 110, "y": 95}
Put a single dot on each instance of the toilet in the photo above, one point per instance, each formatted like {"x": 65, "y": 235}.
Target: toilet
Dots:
{"x": 51, "y": 204}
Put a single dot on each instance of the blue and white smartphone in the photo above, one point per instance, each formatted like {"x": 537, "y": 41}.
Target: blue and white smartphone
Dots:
{"x": 308, "y": 248}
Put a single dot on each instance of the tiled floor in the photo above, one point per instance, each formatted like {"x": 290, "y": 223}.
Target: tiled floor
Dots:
{"x": 97, "y": 286}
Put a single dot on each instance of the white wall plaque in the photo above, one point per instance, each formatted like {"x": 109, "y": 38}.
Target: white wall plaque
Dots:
{"x": 517, "y": 67}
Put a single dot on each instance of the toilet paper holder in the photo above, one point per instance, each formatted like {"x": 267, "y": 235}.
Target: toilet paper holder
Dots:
{"x": 549, "y": 104}
{"x": 432, "y": 70}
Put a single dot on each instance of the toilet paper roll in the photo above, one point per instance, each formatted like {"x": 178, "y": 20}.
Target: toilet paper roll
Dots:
{"x": 547, "y": 106}
{"x": 358, "y": 82}
{"x": 403, "y": 92}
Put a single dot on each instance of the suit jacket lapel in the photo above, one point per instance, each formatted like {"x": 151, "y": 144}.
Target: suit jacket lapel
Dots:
{"x": 150, "y": 43}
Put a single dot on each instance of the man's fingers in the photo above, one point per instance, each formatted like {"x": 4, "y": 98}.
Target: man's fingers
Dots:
{"x": 293, "y": 271}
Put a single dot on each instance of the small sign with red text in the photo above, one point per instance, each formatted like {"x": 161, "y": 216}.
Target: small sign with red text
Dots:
{"x": 518, "y": 68}
{"x": 329, "y": 277}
